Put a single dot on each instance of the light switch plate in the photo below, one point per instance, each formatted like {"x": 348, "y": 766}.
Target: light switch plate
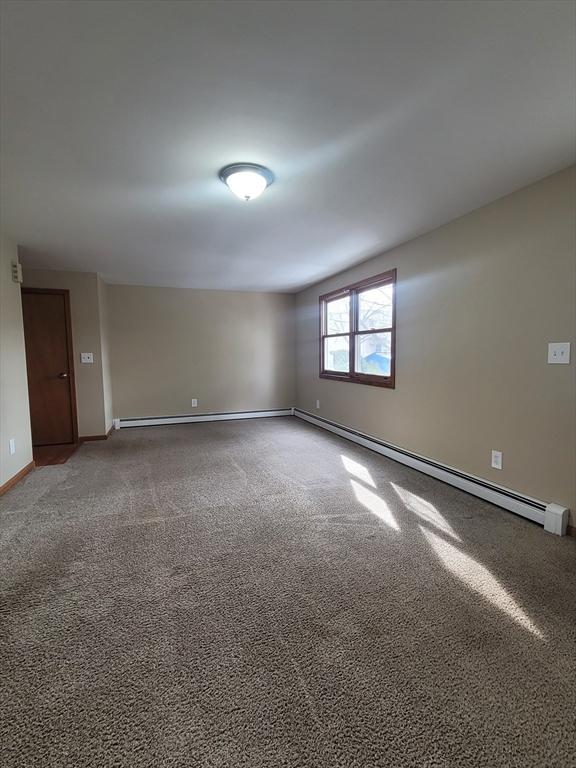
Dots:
{"x": 559, "y": 352}
{"x": 86, "y": 357}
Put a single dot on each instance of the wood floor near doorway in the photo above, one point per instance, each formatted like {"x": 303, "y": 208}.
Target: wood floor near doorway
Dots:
{"x": 48, "y": 455}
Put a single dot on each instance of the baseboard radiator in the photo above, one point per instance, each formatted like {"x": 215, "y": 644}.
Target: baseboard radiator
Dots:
{"x": 553, "y": 517}
{"x": 192, "y": 419}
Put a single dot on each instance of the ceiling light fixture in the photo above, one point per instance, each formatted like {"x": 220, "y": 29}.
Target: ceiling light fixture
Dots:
{"x": 246, "y": 180}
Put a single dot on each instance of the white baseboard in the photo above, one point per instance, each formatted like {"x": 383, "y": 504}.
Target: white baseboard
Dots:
{"x": 553, "y": 517}
{"x": 160, "y": 421}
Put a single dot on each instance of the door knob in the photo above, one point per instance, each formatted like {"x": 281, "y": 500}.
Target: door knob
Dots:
{"x": 62, "y": 375}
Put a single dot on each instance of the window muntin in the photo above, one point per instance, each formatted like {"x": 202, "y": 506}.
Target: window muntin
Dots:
{"x": 357, "y": 333}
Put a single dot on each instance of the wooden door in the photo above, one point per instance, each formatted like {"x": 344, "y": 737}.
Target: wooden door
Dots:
{"x": 50, "y": 364}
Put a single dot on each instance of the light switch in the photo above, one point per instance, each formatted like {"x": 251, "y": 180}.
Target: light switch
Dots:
{"x": 86, "y": 357}
{"x": 559, "y": 352}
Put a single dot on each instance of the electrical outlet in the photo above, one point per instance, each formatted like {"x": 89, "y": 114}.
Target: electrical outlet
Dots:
{"x": 496, "y": 459}
{"x": 12, "y": 445}
{"x": 559, "y": 352}
{"x": 17, "y": 272}
{"x": 317, "y": 405}
{"x": 194, "y": 403}
{"x": 86, "y": 357}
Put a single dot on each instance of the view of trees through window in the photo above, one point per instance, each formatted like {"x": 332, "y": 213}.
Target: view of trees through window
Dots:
{"x": 357, "y": 332}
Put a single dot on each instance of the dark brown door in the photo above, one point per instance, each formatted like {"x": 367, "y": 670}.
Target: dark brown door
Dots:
{"x": 49, "y": 359}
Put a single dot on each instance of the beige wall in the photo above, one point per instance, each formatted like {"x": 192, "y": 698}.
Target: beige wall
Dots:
{"x": 14, "y": 411}
{"x": 86, "y": 337}
{"x": 477, "y": 302}
{"x": 232, "y": 351}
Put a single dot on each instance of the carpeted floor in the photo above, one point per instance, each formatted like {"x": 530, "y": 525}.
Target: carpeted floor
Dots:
{"x": 265, "y": 594}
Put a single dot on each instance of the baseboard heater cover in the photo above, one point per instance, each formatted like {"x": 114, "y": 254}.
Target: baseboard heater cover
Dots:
{"x": 160, "y": 421}
{"x": 553, "y": 517}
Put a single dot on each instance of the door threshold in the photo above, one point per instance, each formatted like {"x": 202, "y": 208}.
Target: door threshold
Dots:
{"x": 48, "y": 455}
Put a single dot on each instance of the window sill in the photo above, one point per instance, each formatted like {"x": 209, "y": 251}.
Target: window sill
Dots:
{"x": 371, "y": 381}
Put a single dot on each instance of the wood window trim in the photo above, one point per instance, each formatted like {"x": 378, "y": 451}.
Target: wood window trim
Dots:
{"x": 352, "y": 290}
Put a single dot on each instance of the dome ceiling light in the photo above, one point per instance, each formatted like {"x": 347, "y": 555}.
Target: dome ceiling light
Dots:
{"x": 246, "y": 180}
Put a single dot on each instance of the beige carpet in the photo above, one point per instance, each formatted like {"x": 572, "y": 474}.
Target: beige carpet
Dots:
{"x": 262, "y": 593}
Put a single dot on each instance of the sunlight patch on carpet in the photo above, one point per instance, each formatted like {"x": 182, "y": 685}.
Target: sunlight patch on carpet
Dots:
{"x": 478, "y": 578}
{"x": 358, "y": 470}
{"x": 425, "y": 510}
{"x": 374, "y": 504}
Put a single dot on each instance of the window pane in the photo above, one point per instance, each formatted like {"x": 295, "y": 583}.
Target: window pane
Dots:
{"x": 373, "y": 353}
{"x": 338, "y": 315}
{"x": 337, "y": 354}
{"x": 375, "y": 308}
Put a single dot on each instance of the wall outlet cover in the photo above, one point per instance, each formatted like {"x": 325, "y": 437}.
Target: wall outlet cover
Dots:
{"x": 317, "y": 404}
{"x": 86, "y": 357}
{"x": 12, "y": 446}
{"x": 559, "y": 352}
{"x": 17, "y": 272}
{"x": 496, "y": 459}
{"x": 194, "y": 402}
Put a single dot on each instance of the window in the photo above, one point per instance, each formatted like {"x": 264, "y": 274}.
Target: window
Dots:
{"x": 357, "y": 332}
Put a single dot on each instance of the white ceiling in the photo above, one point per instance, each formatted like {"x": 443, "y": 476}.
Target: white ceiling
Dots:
{"x": 381, "y": 121}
